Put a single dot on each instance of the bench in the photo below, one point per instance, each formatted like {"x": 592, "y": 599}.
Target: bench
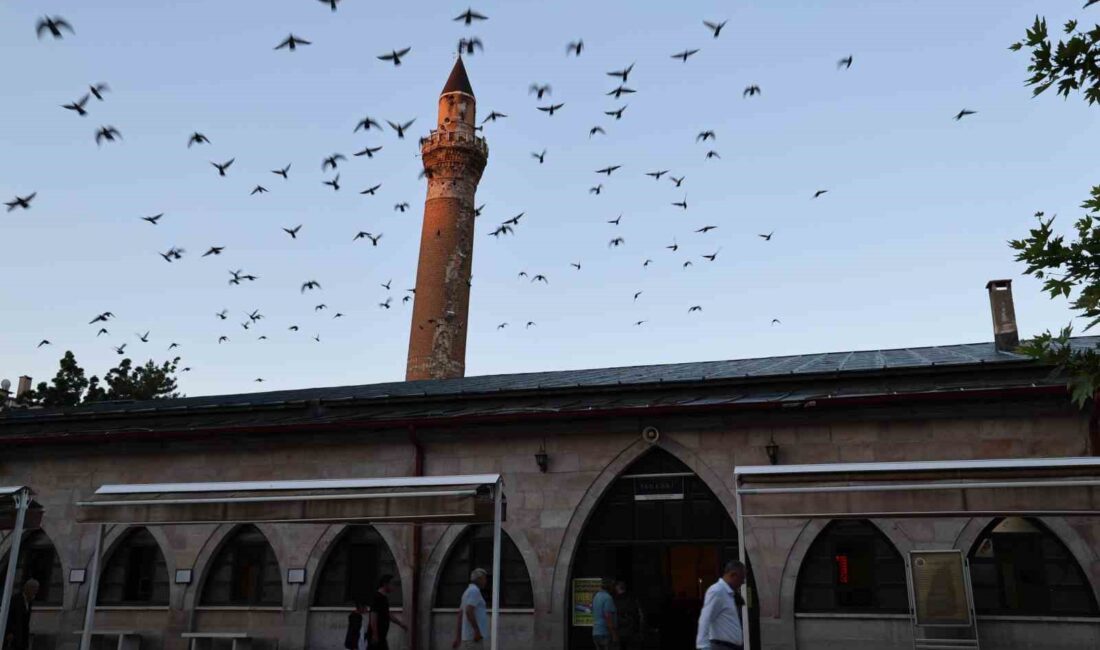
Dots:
{"x": 127, "y": 639}
{"x": 209, "y": 640}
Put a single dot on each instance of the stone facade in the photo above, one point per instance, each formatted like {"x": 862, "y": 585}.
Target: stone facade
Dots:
{"x": 547, "y": 512}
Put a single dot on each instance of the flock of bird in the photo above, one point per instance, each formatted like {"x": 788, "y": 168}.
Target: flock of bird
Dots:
{"x": 58, "y": 27}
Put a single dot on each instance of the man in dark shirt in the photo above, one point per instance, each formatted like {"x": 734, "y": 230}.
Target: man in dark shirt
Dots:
{"x": 380, "y": 616}
{"x": 18, "y": 633}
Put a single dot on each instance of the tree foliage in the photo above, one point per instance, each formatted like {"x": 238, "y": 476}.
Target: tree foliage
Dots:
{"x": 70, "y": 386}
{"x": 1069, "y": 269}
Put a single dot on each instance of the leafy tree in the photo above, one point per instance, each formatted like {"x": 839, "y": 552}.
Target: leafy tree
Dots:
{"x": 70, "y": 386}
{"x": 1068, "y": 269}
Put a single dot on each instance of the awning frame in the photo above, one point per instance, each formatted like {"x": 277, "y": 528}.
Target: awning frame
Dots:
{"x": 22, "y": 502}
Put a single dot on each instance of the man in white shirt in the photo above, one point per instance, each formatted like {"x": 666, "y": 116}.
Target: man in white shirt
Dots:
{"x": 473, "y": 617}
{"x": 720, "y": 621}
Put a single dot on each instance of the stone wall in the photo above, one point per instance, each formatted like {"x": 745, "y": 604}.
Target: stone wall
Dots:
{"x": 546, "y": 512}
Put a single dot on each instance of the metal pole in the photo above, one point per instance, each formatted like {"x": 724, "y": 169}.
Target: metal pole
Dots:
{"x": 93, "y": 592}
{"x": 22, "y": 502}
{"x": 497, "y": 516}
{"x": 743, "y": 556}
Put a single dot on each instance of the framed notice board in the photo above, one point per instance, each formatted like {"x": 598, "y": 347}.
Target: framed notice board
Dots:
{"x": 940, "y": 589}
{"x": 584, "y": 590}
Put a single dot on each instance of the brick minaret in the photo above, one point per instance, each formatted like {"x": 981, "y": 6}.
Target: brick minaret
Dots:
{"x": 454, "y": 158}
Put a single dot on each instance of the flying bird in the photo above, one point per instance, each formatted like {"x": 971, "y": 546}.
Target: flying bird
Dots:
{"x": 502, "y": 326}
{"x": 197, "y": 138}
{"x": 596, "y": 189}
{"x": 819, "y": 193}
{"x": 615, "y": 243}
{"x": 366, "y": 123}
{"x": 694, "y": 308}
{"x": 102, "y": 330}
{"x": 767, "y": 237}
{"x": 845, "y": 63}
{"x": 674, "y": 247}
{"x": 368, "y": 151}
{"x": 575, "y": 265}
{"x": 331, "y": 161}
{"x": 514, "y": 221}
{"x": 645, "y": 264}
{"x": 101, "y": 318}
{"x": 469, "y": 16}
{"x": 98, "y": 89}
{"x": 639, "y": 322}
{"x": 539, "y": 156}
{"x": 540, "y": 278}
{"x": 401, "y": 207}
{"x": 636, "y": 294}
{"x": 21, "y": 202}
{"x": 386, "y": 285}
{"x": 681, "y": 204}
{"x": 622, "y": 74}
{"x": 493, "y": 117}
{"x": 616, "y": 220}
{"x": 551, "y": 108}
{"x": 281, "y": 172}
{"x": 470, "y": 45}
{"x": 144, "y": 338}
{"x": 225, "y": 165}
{"x": 395, "y": 56}
{"x": 292, "y": 42}
{"x": 400, "y": 128}
{"x": 618, "y": 115}
{"x": 311, "y": 284}
{"x": 620, "y": 91}
{"x": 320, "y": 307}
{"x": 715, "y": 27}
{"x": 386, "y": 303}
{"x": 683, "y": 56}
{"x": 153, "y": 219}
{"x": 371, "y": 190}
{"x": 54, "y": 25}
{"x": 712, "y": 154}
{"x": 712, "y": 256}
{"x": 750, "y": 91}
{"x": 366, "y": 235}
{"x": 775, "y": 321}
{"x": 575, "y": 47}
{"x": 678, "y": 181}
{"x": 501, "y": 230}
{"x": 293, "y": 328}
{"x": 963, "y": 113}
{"x": 705, "y": 229}
{"x": 223, "y": 339}
{"x": 120, "y": 349}
{"x": 596, "y": 129}
{"x": 529, "y": 324}
{"x": 222, "y": 314}
{"x": 108, "y": 133}
{"x": 657, "y": 175}
{"x": 331, "y": 3}
{"x": 706, "y": 135}
{"x": 608, "y": 170}
{"x": 539, "y": 90}
{"x": 78, "y": 106}
{"x": 293, "y": 232}
{"x": 334, "y": 183}
{"x": 259, "y": 189}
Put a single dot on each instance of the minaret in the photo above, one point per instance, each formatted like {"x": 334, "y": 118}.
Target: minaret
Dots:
{"x": 454, "y": 157}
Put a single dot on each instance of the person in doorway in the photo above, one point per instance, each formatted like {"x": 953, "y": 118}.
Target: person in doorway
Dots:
{"x": 720, "y": 626}
{"x": 355, "y": 637}
{"x": 605, "y": 624}
{"x": 473, "y": 617}
{"x": 18, "y": 633}
{"x": 631, "y": 620}
{"x": 380, "y": 616}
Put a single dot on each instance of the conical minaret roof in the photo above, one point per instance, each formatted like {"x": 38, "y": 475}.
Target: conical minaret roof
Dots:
{"x": 458, "y": 82}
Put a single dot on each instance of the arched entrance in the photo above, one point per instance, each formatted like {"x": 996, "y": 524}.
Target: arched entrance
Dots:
{"x": 660, "y": 529}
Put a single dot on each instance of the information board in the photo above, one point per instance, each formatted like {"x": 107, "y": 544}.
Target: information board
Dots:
{"x": 939, "y": 588}
{"x": 584, "y": 591}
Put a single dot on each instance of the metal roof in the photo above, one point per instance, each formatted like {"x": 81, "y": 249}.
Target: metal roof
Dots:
{"x": 917, "y": 466}
{"x": 318, "y": 484}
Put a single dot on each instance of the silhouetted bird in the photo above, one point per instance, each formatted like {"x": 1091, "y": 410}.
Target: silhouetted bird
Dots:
{"x": 551, "y": 108}
{"x": 153, "y": 219}
{"x": 395, "y": 55}
{"x": 596, "y": 129}
{"x": 706, "y": 135}
{"x": 705, "y": 229}
{"x": 366, "y": 123}
{"x": 97, "y": 90}
{"x": 225, "y": 166}
{"x": 712, "y": 256}
{"x": 259, "y": 189}
{"x": 21, "y": 202}
{"x": 514, "y": 221}
{"x": 197, "y": 138}
{"x": 101, "y": 318}
{"x": 386, "y": 303}
{"x": 645, "y": 264}
{"x": 775, "y": 321}
{"x": 963, "y": 113}
{"x": 144, "y": 338}
{"x": 78, "y": 106}
{"x": 108, "y": 133}
{"x": 620, "y": 91}
{"x": 657, "y": 175}
{"x": 845, "y": 63}
{"x": 712, "y": 154}
{"x": 469, "y": 45}
{"x": 54, "y": 25}
{"x": 575, "y": 47}
{"x": 683, "y": 56}
{"x": 618, "y": 115}
{"x": 575, "y": 265}
{"x": 636, "y": 294}
{"x": 674, "y": 247}
{"x": 616, "y": 220}
{"x": 102, "y": 330}
{"x": 538, "y": 90}
{"x": 331, "y": 3}
{"x": 681, "y": 204}
{"x": 715, "y": 27}
{"x": 596, "y": 190}
{"x": 222, "y": 314}
{"x": 469, "y": 16}
{"x": 223, "y": 339}
{"x": 478, "y": 209}
{"x": 751, "y": 90}
{"x": 622, "y": 74}
{"x": 616, "y": 242}
{"x": 331, "y": 161}
{"x": 608, "y": 170}
{"x": 400, "y": 128}
{"x": 401, "y": 207}
{"x": 541, "y": 157}
{"x": 281, "y": 172}
{"x": 694, "y": 308}
{"x": 678, "y": 181}
{"x": 120, "y": 349}
{"x": 767, "y": 237}
{"x": 311, "y": 284}
{"x": 334, "y": 183}
{"x": 368, "y": 151}
{"x": 292, "y": 42}
{"x": 214, "y": 250}
{"x": 371, "y": 190}
{"x": 819, "y": 193}
{"x": 493, "y": 117}
{"x": 293, "y": 232}
{"x": 373, "y": 239}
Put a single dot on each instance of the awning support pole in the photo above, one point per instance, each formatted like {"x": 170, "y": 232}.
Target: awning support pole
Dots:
{"x": 93, "y": 591}
{"x": 743, "y": 556}
{"x": 498, "y": 494}
{"x": 22, "y": 502}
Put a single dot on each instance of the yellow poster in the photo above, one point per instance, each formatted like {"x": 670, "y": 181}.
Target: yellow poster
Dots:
{"x": 584, "y": 590}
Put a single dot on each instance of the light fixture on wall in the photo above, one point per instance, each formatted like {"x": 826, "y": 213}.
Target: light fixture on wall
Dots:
{"x": 542, "y": 459}
{"x": 772, "y": 450}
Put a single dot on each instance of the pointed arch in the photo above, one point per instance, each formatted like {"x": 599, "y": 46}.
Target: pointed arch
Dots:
{"x": 474, "y": 550}
{"x": 1019, "y": 567}
{"x": 38, "y": 559}
{"x": 350, "y": 569}
{"x": 243, "y": 572}
{"x": 135, "y": 571}
{"x": 851, "y": 567}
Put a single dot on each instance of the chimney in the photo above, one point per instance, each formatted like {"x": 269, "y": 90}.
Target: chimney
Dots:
{"x": 1005, "y": 335}
{"x": 23, "y": 387}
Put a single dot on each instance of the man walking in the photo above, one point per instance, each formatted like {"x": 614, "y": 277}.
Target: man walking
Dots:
{"x": 18, "y": 633}
{"x": 720, "y": 625}
{"x": 380, "y": 616}
{"x": 355, "y": 637}
{"x": 630, "y": 620}
{"x": 605, "y": 624}
{"x": 473, "y": 617}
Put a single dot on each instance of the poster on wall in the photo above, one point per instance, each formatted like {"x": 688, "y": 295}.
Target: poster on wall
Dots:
{"x": 939, "y": 588}
{"x": 584, "y": 590}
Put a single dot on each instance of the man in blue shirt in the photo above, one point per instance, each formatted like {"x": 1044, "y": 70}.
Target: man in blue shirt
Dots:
{"x": 605, "y": 628}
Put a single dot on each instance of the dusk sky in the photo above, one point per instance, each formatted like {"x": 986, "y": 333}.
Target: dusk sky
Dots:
{"x": 916, "y": 219}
